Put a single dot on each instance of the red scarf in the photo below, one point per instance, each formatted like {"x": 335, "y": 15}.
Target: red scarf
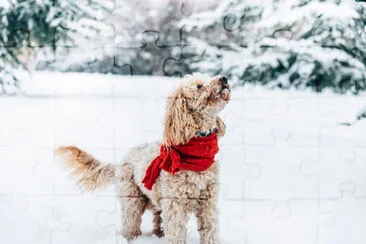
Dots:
{"x": 197, "y": 155}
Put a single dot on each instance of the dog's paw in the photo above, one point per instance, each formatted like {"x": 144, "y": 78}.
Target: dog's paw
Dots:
{"x": 131, "y": 235}
{"x": 158, "y": 232}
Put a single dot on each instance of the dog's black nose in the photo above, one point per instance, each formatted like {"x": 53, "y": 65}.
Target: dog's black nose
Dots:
{"x": 223, "y": 79}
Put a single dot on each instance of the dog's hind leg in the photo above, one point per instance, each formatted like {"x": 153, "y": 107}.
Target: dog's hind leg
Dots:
{"x": 132, "y": 208}
{"x": 133, "y": 205}
{"x": 158, "y": 231}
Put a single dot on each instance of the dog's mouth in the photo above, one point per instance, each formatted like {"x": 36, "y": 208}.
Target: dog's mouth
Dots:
{"x": 220, "y": 90}
{"x": 225, "y": 88}
{"x": 224, "y": 92}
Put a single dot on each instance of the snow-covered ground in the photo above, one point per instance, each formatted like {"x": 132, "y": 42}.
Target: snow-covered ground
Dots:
{"x": 290, "y": 171}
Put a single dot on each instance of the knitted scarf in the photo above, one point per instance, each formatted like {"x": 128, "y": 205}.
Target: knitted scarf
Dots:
{"x": 197, "y": 155}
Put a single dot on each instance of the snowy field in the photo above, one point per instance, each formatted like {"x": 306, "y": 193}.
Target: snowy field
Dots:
{"x": 290, "y": 171}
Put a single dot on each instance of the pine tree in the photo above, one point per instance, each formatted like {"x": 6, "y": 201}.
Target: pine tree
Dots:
{"x": 306, "y": 44}
{"x": 31, "y": 26}
{"x": 146, "y": 41}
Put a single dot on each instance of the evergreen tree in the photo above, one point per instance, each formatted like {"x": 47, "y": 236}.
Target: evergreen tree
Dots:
{"x": 30, "y": 26}
{"x": 145, "y": 40}
{"x": 316, "y": 44}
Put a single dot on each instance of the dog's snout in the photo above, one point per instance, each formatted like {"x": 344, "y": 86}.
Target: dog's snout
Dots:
{"x": 223, "y": 80}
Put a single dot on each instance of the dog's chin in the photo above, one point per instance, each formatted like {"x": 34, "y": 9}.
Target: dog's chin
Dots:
{"x": 219, "y": 95}
{"x": 225, "y": 94}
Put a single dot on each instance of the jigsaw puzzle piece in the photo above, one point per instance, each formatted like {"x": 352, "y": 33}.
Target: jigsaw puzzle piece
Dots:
{"x": 267, "y": 112}
{"x": 331, "y": 171}
{"x": 52, "y": 39}
{"x": 156, "y": 49}
{"x": 82, "y": 221}
{"x": 233, "y": 117}
{"x": 173, "y": 66}
{"x": 18, "y": 34}
{"x": 32, "y": 216}
{"x": 304, "y": 112}
{"x": 232, "y": 221}
{"x": 340, "y": 108}
{"x": 235, "y": 171}
{"x": 77, "y": 124}
{"x": 345, "y": 138}
{"x": 299, "y": 226}
{"x": 27, "y": 123}
{"x": 152, "y": 120}
{"x": 141, "y": 112}
{"x": 106, "y": 9}
{"x": 280, "y": 179}
{"x": 19, "y": 179}
{"x": 253, "y": 115}
{"x": 244, "y": 124}
{"x": 349, "y": 212}
{"x": 129, "y": 114}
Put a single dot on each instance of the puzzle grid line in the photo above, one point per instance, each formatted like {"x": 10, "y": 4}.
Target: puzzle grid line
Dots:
{"x": 250, "y": 204}
{"x": 280, "y": 209}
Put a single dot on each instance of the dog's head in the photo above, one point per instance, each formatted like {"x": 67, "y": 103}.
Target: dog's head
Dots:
{"x": 194, "y": 107}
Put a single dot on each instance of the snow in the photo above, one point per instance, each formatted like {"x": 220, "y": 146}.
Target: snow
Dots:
{"x": 326, "y": 9}
{"x": 272, "y": 39}
{"x": 268, "y": 193}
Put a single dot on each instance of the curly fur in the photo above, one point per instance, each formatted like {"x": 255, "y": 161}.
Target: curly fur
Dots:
{"x": 88, "y": 172}
{"x": 192, "y": 107}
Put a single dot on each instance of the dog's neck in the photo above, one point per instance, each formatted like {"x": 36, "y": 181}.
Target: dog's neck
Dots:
{"x": 200, "y": 116}
{"x": 206, "y": 124}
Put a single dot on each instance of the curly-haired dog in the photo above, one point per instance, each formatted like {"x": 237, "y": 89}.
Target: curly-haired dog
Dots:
{"x": 178, "y": 188}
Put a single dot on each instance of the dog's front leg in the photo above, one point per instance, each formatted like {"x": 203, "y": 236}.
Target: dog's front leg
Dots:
{"x": 174, "y": 216}
{"x": 207, "y": 221}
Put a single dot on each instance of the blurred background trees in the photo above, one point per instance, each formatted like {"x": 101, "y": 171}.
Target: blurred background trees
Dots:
{"x": 303, "y": 44}
{"x": 30, "y": 26}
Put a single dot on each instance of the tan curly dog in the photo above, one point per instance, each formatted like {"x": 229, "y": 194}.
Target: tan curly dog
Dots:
{"x": 192, "y": 111}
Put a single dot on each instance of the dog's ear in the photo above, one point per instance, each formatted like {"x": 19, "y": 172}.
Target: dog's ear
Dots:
{"x": 179, "y": 125}
{"x": 221, "y": 127}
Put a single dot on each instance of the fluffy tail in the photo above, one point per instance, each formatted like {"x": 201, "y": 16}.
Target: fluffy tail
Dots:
{"x": 89, "y": 173}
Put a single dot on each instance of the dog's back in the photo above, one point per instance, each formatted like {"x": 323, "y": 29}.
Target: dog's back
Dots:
{"x": 91, "y": 174}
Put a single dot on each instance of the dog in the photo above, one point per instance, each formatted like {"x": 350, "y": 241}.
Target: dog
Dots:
{"x": 191, "y": 115}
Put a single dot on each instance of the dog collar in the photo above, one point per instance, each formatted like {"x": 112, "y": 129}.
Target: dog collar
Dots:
{"x": 205, "y": 133}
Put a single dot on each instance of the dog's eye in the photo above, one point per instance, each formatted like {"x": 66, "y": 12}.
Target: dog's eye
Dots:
{"x": 199, "y": 86}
